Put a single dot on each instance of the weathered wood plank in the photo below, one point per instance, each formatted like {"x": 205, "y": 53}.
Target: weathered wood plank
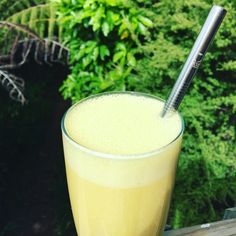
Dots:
{"x": 220, "y": 228}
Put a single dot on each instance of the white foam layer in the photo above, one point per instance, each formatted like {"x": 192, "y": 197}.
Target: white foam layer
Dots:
{"x": 121, "y": 124}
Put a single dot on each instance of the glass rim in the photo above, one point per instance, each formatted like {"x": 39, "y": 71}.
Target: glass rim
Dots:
{"x": 118, "y": 156}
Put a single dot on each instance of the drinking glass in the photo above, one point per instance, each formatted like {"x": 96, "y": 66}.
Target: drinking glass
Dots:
{"x": 120, "y": 195}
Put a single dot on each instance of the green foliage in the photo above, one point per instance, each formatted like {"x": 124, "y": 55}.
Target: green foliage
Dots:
{"x": 10, "y": 7}
{"x": 206, "y": 179}
{"x": 38, "y": 15}
{"x": 41, "y": 19}
{"x": 25, "y": 26}
{"x": 18, "y": 12}
{"x": 103, "y": 38}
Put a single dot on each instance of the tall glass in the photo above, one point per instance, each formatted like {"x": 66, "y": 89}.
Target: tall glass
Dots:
{"x": 120, "y": 195}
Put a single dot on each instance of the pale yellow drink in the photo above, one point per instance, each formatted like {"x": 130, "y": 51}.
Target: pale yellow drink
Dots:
{"x": 120, "y": 161}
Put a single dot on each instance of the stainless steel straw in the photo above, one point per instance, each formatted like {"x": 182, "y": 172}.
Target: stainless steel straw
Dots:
{"x": 209, "y": 29}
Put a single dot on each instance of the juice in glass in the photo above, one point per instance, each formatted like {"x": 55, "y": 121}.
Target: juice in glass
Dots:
{"x": 121, "y": 159}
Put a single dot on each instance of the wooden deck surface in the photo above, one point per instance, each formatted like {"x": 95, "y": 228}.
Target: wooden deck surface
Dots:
{"x": 220, "y": 228}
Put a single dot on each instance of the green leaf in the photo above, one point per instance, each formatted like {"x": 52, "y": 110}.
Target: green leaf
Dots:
{"x": 122, "y": 27}
{"x": 134, "y": 24}
{"x": 115, "y": 17}
{"x": 95, "y": 53}
{"x": 145, "y": 21}
{"x": 142, "y": 28}
{"x": 111, "y": 2}
{"x": 125, "y": 34}
{"x": 90, "y": 45}
{"x": 120, "y": 47}
{"x": 131, "y": 59}
{"x": 83, "y": 15}
{"x": 86, "y": 61}
{"x": 87, "y": 3}
{"x": 105, "y": 28}
{"x": 112, "y": 19}
{"x": 105, "y": 84}
{"x": 104, "y": 51}
{"x": 118, "y": 56}
{"x": 80, "y": 54}
{"x": 95, "y": 21}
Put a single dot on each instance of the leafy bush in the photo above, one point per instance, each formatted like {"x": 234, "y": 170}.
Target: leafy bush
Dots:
{"x": 108, "y": 54}
{"x": 103, "y": 38}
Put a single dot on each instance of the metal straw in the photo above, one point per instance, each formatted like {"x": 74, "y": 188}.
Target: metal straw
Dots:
{"x": 209, "y": 29}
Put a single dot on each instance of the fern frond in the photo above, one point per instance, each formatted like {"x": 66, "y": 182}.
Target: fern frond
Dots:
{"x": 14, "y": 85}
{"x": 34, "y": 15}
{"x": 40, "y": 19}
{"x": 25, "y": 18}
{"x": 21, "y": 13}
{"x": 57, "y": 52}
{"x": 19, "y": 28}
{"x": 29, "y": 34}
{"x": 41, "y": 25}
{"x": 51, "y": 21}
{"x": 48, "y": 51}
{"x": 21, "y": 39}
{"x": 10, "y": 7}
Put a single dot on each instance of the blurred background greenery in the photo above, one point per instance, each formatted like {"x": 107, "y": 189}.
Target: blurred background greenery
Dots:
{"x": 141, "y": 46}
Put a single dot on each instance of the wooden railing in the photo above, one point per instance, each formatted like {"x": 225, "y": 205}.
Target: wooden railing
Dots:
{"x": 220, "y": 228}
